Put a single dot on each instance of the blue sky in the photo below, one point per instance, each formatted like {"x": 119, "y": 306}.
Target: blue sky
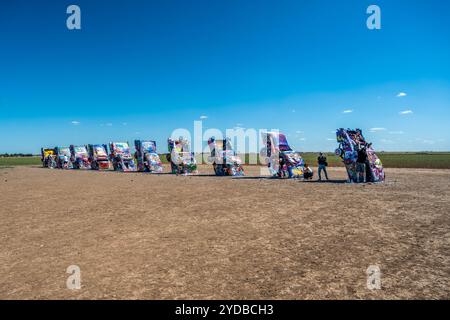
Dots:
{"x": 140, "y": 69}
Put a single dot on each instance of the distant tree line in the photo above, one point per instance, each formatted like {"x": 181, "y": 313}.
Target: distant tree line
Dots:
{"x": 15, "y": 155}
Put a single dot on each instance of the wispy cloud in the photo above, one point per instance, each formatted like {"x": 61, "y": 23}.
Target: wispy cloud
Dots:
{"x": 331, "y": 139}
{"x": 396, "y": 132}
{"x": 293, "y": 110}
{"x": 109, "y": 124}
{"x": 401, "y": 94}
{"x": 348, "y": 111}
{"x": 377, "y": 129}
{"x": 203, "y": 117}
{"x": 405, "y": 112}
{"x": 75, "y": 123}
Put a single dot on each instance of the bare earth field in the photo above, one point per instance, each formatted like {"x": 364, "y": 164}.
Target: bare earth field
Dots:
{"x": 142, "y": 236}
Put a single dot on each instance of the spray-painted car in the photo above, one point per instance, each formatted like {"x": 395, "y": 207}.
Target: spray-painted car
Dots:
{"x": 98, "y": 156}
{"x": 224, "y": 159}
{"x": 147, "y": 158}
{"x": 79, "y": 157}
{"x": 48, "y": 157}
{"x": 281, "y": 160}
{"x": 349, "y": 141}
{"x": 121, "y": 157}
{"x": 181, "y": 159}
{"x": 63, "y": 158}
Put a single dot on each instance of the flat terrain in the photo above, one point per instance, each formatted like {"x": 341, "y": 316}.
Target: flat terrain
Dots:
{"x": 421, "y": 160}
{"x": 138, "y": 236}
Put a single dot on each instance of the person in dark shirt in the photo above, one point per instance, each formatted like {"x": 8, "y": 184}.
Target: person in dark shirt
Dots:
{"x": 361, "y": 163}
{"x": 282, "y": 166}
{"x": 322, "y": 162}
{"x": 369, "y": 174}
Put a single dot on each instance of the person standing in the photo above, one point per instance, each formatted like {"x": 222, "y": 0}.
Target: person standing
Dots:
{"x": 361, "y": 164}
{"x": 322, "y": 162}
{"x": 369, "y": 174}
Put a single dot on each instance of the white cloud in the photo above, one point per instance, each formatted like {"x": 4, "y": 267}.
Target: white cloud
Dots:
{"x": 75, "y": 123}
{"x": 377, "y": 129}
{"x": 299, "y": 132}
{"x": 302, "y": 139}
{"x": 203, "y": 117}
{"x": 109, "y": 124}
{"x": 405, "y": 112}
{"x": 347, "y": 111}
{"x": 386, "y": 141}
{"x": 396, "y": 132}
{"x": 124, "y": 123}
{"x": 330, "y": 139}
{"x": 401, "y": 94}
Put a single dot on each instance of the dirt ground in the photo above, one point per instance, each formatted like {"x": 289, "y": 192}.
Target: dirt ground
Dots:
{"x": 142, "y": 236}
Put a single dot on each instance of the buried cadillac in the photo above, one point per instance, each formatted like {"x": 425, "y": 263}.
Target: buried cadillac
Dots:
{"x": 62, "y": 158}
{"x": 224, "y": 159}
{"x": 147, "y": 158}
{"x": 121, "y": 157}
{"x": 79, "y": 157}
{"x": 281, "y": 160}
{"x": 351, "y": 142}
{"x": 98, "y": 156}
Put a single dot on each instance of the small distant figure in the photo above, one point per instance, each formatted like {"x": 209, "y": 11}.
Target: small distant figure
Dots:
{"x": 323, "y": 164}
{"x": 369, "y": 176}
{"x": 361, "y": 164}
{"x": 307, "y": 172}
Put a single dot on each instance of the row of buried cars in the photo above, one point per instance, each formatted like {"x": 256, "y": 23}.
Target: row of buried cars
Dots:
{"x": 118, "y": 157}
{"x": 281, "y": 160}
{"x": 115, "y": 155}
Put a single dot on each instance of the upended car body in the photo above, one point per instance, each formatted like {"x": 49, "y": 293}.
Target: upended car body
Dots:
{"x": 281, "y": 160}
{"x": 48, "y": 156}
{"x": 181, "y": 159}
{"x": 98, "y": 156}
{"x": 224, "y": 159}
{"x": 79, "y": 157}
{"x": 146, "y": 156}
{"x": 62, "y": 158}
{"x": 121, "y": 157}
{"x": 349, "y": 140}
